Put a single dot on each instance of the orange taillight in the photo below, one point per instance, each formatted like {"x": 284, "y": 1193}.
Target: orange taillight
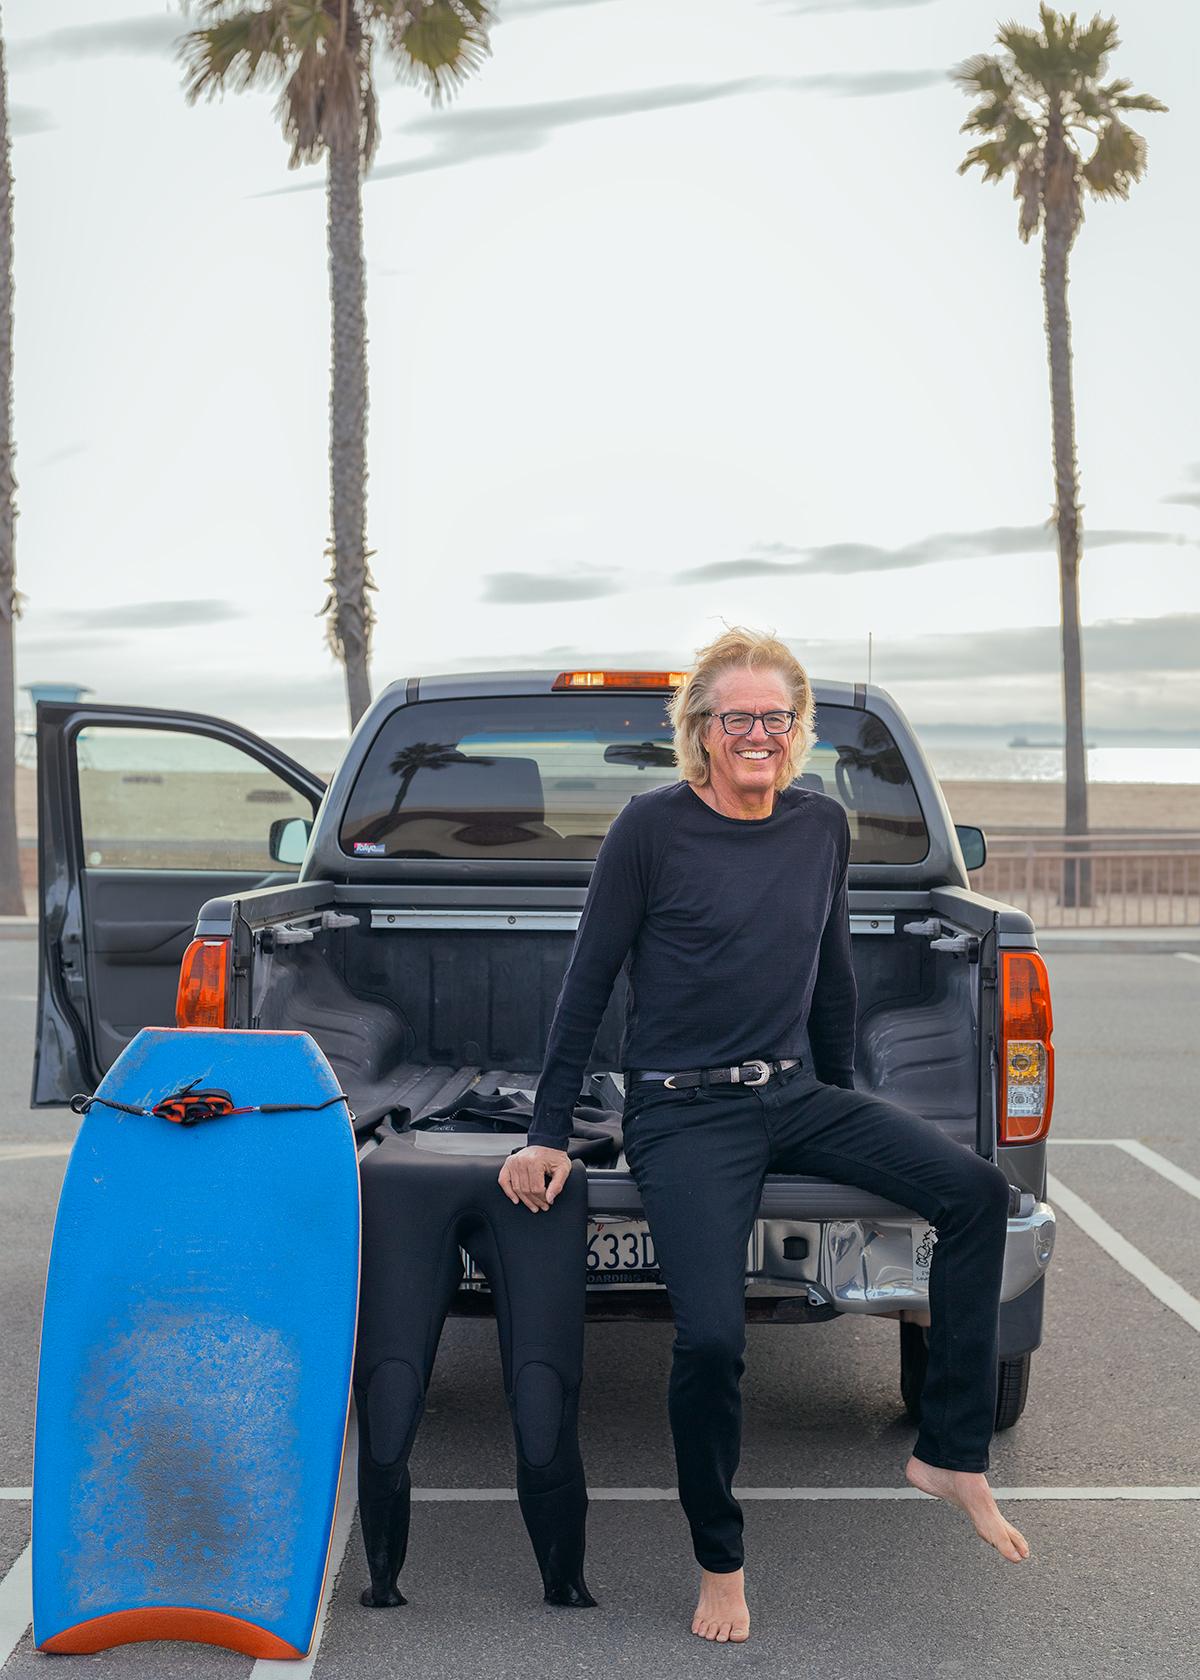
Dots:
{"x": 1027, "y": 1055}
{"x": 618, "y": 679}
{"x": 200, "y": 1000}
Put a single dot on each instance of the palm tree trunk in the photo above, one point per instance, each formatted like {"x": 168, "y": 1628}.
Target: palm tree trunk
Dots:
{"x": 1061, "y": 222}
{"x": 351, "y": 615}
{"x": 12, "y": 899}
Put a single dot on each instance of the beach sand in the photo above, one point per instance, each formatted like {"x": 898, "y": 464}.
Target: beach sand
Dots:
{"x": 996, "y": 807}
{"x": 1113, "y": 807}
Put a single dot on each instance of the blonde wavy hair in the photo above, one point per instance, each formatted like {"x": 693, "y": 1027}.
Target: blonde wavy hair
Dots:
{"x": 739, "y": 649}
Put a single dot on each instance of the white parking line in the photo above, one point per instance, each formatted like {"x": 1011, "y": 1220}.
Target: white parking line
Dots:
{"x": 1148, "y": 1157}
{"x": 16, "y": 1493}
{"x": 16, "y": 1600}
{"x": 461, "y": 1496}
{"x": 343, "y": 1519}
{"x": 32, "y": 1151}
{"x": 16, "y": 1588}
{"x": 1170, "y": 1293}
{"x": 1188, "y": 956}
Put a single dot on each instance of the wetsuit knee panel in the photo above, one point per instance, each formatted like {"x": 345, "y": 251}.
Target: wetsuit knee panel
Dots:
{"x": 539, "y": 1399}
{"x": 394, "y": 1401}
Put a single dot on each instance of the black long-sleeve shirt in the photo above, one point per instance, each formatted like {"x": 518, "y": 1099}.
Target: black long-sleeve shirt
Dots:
{"x": 737, "y": 936}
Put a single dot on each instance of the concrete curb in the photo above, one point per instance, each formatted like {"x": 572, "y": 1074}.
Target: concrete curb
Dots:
{"x": 18, "y": 927}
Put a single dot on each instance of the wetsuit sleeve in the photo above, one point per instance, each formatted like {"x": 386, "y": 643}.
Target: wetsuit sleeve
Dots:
{"x": 612, "y": 913}
{"x": 833, "y": 1015}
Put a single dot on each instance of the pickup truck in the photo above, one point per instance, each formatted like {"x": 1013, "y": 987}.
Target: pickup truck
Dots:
{"x": 416, "y": 915}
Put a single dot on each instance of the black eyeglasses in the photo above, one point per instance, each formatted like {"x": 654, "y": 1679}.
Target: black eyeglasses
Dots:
{"x": 741, "y": 723}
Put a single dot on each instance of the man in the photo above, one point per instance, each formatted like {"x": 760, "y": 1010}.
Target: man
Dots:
{"x": 727, "y": 890}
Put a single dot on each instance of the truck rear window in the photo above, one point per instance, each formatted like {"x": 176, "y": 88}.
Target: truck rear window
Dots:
{"x": 543, "y": 775}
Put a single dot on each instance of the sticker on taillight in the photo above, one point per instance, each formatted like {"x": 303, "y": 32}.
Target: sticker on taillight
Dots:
{"x": 1026, "y": 1078}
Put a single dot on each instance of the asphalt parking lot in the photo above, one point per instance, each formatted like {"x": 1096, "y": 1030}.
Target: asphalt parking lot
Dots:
{"x": 850, "y": 1573}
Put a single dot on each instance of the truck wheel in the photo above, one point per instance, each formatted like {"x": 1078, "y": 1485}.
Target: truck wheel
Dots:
{"x": 1012, "y": 1389}
{"x": 1012, "y": 1386}
{"x": 914, "y": 1357}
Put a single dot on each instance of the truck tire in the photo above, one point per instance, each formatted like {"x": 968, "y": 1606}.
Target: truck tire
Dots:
{"x": 914, "y": 1356}
{"x": 1012, "y": 1385}
{"x": 1012, "y": 1389}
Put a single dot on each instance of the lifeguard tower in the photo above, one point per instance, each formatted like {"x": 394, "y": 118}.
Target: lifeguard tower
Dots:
{"x": 27, "y": 726}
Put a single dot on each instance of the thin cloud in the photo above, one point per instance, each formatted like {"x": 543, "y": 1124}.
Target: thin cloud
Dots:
{"x": 460, "y": 136}
{"x": 1111, "y": 647}
{"x": 531, "y": 8}
{"x": 65, "y": 452}
{"x": 801, "y": 8}
{"x": 1129, "y": 647}
{"x": 845, "y": 557}
{"x": 46, "y": 642}
{"x": 151, "y": 615}
{"x": 532, "y": 588}
{"x": 1188, "y": 498}
{"x": 868, "y": 84}
{"x": 30, "y": 119}
{"x": 137, "y": 37}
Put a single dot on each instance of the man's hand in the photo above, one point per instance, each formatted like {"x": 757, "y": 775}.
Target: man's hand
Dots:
{"x": 523, "y": 1176}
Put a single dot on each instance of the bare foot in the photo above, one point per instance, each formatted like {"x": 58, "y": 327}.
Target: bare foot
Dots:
{"x": 969, "y": 1490}
{"x": 721, "y": 1614}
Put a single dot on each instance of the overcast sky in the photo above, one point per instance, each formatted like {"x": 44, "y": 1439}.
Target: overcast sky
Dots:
{"x": 678, "y": 314}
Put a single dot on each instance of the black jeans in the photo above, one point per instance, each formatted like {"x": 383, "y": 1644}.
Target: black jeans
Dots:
{"x": 699, "y": 1156}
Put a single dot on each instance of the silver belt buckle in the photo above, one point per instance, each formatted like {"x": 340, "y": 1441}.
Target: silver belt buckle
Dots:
{"x": 756, "y": 1063}
{"x": 669, "y": 1082}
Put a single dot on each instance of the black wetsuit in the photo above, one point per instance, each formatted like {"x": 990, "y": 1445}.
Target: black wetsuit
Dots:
{"x": 418, "y": 1208}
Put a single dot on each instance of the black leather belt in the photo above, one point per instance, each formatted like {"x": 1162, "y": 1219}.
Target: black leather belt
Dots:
{"x": 753, "y": 1072}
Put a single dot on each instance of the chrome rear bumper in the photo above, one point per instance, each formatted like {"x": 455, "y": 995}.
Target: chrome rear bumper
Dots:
{"x": 866, "y": 1265}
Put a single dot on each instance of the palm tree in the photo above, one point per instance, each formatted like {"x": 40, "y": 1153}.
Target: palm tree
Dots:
{"x": 1041, "y": 103}
{"x": 12, "y": 899}
{"x": 319, "y": 53}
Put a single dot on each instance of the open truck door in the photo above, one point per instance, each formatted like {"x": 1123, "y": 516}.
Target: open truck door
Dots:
{"x": 143, "y": 814}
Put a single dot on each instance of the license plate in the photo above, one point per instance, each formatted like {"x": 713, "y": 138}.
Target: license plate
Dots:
{"x": 923, "y": 1239}
{"x": 620, "y": 1251}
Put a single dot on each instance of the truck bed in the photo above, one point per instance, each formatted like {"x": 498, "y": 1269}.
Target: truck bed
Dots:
{"x": 421, "y": 1088}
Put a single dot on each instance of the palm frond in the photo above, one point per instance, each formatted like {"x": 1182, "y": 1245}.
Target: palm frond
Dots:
{"x": 1092, "y": 45}
{"x": 436, "y": 44}
{"x": 1027, "y": 50}
{"x": 991, "y": 158}
{"x": 1140, "y": 102}
{"x": 241, "y": 48}
{"x": 984, "y": 73}
{"x": 1117, "y": 162}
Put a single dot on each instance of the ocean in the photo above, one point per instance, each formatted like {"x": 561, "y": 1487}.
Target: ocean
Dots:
{"x": 951, "y": 761}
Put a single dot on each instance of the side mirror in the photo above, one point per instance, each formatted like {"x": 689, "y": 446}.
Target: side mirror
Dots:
{"x": 973, "y": 843}
{"x": 289, "y": 839}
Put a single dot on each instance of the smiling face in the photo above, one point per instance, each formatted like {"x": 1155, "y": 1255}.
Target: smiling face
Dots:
{"x": 744, "y": 768}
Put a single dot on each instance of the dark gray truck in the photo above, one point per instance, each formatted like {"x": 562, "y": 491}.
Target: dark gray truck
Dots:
{"x": 416, "y": 914}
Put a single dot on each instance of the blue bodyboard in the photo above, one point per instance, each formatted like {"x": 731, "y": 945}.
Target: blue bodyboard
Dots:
{"x": 196, "y": 1353}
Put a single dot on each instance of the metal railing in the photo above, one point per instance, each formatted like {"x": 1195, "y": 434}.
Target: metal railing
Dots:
{"x": 1096, "y": 880}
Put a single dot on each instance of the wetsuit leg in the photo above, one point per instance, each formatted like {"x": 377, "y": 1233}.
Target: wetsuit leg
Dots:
{"x": 536, "y": 1266}
{"x": 411, "y": 1267}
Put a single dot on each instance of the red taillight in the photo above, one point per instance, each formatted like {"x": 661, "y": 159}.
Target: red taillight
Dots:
{"x": 618, "y": 679}
{"x": 203, "y": 973}
{"x": 1027, "y": 1059}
